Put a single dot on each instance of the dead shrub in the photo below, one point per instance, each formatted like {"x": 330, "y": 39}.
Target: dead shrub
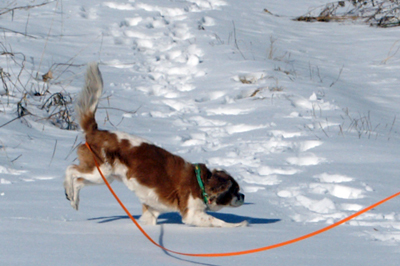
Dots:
{"x": 384, "y": 13}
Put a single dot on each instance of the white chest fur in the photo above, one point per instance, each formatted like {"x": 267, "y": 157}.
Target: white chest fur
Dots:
{"x": 147, "y": 195}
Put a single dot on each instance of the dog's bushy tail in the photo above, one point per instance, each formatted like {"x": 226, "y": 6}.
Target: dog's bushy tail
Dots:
{"x": 88, "y": 98}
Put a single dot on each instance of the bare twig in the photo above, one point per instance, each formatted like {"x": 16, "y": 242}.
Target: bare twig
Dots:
{"x": 380, "y": 13}
{"x": 8, "y": 10}
{"x": 391, "y": 128}
{"x": 17, "y": 32}
{"x": 236, "y": 42}
{"x": 54, "y": 152}
{"x": 119, "y": 109}
{"x": 3, "y": 77}
{"x": 9, "y": 122}
{"x": 340, "y": 73}
{"x": 47, "y": 38}
{"x": 19, "y": 156}
{"x": 272, "y": 49}
{"x": 323, "y": 130}
{"x": 73, "y": 147}
{"x": 391, "y": 54}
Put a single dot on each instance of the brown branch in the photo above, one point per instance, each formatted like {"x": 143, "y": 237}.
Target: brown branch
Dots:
{"x": 24, "y": 7}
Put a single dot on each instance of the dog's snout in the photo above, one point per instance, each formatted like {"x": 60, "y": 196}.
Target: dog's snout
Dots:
{"x": 237, "y": 200}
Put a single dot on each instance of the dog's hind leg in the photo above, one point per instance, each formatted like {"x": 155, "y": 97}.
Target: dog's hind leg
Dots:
{"x": 68, "y": 182}
{"x": 73, "y": 184}
{"x": 78, "y": 176}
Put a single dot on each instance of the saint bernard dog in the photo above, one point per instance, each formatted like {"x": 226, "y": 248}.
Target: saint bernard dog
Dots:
{"x": 163, "y": 182}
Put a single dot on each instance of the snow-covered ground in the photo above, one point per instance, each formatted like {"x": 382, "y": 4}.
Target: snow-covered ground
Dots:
{"x": 304, "y": 115}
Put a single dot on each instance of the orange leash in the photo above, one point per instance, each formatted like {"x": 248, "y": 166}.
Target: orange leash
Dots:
{"x": 244, "y": 252}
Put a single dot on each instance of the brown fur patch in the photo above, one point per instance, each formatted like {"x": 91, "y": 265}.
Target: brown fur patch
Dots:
{"x": 172, "y": 177}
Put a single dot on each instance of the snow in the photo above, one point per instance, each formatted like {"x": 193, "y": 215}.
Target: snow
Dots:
{"x": 303, "y": 115}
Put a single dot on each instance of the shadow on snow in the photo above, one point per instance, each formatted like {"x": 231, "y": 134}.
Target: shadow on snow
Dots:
{"x": 175, "y": 218}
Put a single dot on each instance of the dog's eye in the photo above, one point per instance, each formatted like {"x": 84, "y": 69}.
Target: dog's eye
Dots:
{"x": 235, "y": 190}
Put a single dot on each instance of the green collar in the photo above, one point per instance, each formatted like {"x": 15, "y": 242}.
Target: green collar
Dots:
{"x": 201, "y": 184}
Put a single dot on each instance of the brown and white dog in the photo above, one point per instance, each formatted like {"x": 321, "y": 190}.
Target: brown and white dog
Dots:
{"x": 162, "y": 181}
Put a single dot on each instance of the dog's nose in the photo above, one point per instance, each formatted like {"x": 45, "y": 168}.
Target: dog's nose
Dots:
{"x": 237, "y": 201}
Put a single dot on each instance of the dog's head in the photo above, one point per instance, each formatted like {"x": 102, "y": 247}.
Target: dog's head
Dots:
{"x": 222, "y": 190}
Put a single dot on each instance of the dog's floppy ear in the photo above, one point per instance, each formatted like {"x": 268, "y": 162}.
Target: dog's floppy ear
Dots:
{"x": 205, "y": 173}
{"x": 208, "y": 174}
{"x": 215, "y": 182}
{"x": 220, "y": 181}
{"x": 221, "y": 175}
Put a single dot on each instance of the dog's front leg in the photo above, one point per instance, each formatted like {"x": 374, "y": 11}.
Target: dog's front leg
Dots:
{"x": 200, "y": 218}
{"x": 149, "y": 216}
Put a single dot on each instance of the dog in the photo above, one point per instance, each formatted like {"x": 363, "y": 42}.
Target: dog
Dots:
{"x": 162, "y": 181}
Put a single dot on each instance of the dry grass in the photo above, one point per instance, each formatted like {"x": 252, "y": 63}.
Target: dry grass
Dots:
{"x": 31, "y": 95}
{"x": 59, "y": 109}
{"x": 246, "y": 80}
{"x": 384, "y": 13}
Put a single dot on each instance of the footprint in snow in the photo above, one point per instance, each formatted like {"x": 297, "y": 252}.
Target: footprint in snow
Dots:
{"x": 119, "y": 6}
{"x": 309, "y": 159}
{"x": 329, "y": 208}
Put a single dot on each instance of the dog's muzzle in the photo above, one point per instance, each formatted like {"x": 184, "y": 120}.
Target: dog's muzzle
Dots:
{"x": 238, "y": 200}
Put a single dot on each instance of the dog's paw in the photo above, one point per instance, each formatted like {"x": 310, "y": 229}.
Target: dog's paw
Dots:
{"x": 148, "y": 219}
{"x": 75, "y": 204}
{"x": 66, "y": 195}
{"x": 243, "y": 224}
{"x": 68, "y": 192}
